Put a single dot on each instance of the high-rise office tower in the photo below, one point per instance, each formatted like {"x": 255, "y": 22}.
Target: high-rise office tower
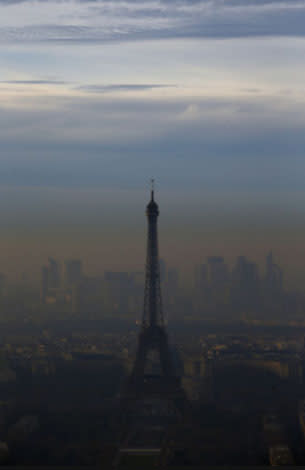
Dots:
{"x": 73, "y": 271}
{"x": 50, "y": 278}
{"x": 217, "y": 271}
{"x": 118, "y": 286}
{"x": 274, "y": 275}
{"x": 245, "y": 284}
{"x": 201, "y": 285}
{"x": 201, "y": 277}
{"x": 54, "y": 280}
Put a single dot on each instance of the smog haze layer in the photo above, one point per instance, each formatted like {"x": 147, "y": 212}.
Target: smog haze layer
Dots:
{"x": 205, "y": 96}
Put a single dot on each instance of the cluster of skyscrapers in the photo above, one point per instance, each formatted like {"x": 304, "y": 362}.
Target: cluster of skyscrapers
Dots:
{"x": 54, "y": 282}
{"x": 217, "y": 288}
{"x": 241, "y": 287}
{"x": 115, "y": 291}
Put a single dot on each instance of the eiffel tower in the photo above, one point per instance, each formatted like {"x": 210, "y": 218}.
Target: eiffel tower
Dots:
{"x": 152, "y": 402}
{"x": 153, "y": 339}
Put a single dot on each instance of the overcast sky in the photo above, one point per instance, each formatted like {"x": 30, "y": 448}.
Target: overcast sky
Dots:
{"x": 207, "y": 96}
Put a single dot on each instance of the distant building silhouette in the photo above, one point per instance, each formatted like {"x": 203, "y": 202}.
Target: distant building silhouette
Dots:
{"x": 50, "y": 278}
{"x": 73, "y": 271}
{"x": 218, "y": 272}
{"x": 218, "y": 277}
{"x": 201, "y": 277}
{"x": 118, "y": 287}
{"x": 245, "y": 284}
{"x": 54, "y": 280}
{"x": 274, "y": 275}
{"x": 201, "y": 286}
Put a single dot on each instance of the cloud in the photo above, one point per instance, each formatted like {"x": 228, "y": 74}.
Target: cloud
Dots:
{"x": 145, "y": 3}
{"x": 88, "y": 141}
{"x": 131, "y": 20}
{"x": 33, "y": 82}
{"x": 122, "y": 87}
{"x": 192, "y": 112}
{"x": 251, "y": 90}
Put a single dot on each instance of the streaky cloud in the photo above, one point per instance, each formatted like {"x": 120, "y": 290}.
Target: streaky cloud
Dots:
{"x": 122, "y": 87}
{"x": 102, "y": 21}
{"x": 33, "y": 82}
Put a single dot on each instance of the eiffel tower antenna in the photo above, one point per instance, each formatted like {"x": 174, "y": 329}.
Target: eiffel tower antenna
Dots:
{"x": 152, "y": 183}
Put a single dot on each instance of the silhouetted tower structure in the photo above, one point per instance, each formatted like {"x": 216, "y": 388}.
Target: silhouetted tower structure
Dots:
{"x": 50, "y": 278}
{"x": 153, "y": 406}
{"x": 274, "y": 275}
{"x": 153, "y": 337}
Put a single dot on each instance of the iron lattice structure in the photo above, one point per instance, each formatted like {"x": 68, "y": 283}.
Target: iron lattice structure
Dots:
{"x": 149, "y": 398}
{"x": 153, "y": 335}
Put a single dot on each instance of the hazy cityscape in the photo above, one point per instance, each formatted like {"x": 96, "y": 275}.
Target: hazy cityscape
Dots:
{"x": 69, "y": 344}
{"x": 215, "y": 292}
{"x": 152, "y": 234}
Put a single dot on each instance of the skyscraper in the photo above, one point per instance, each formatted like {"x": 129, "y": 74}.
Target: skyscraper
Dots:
{"x": 50, "y": 278}
{"x": 54, "y": 280}
{"x": 73, "y": 271}
{"x": 245, "y": 285}
{"x": 218, "y": 271}
{"x": 273, "y": 276}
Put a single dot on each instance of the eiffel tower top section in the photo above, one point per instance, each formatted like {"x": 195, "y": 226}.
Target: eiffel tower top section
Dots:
{"x": 152, "y": 312}
{"x": 152, "y": 209}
